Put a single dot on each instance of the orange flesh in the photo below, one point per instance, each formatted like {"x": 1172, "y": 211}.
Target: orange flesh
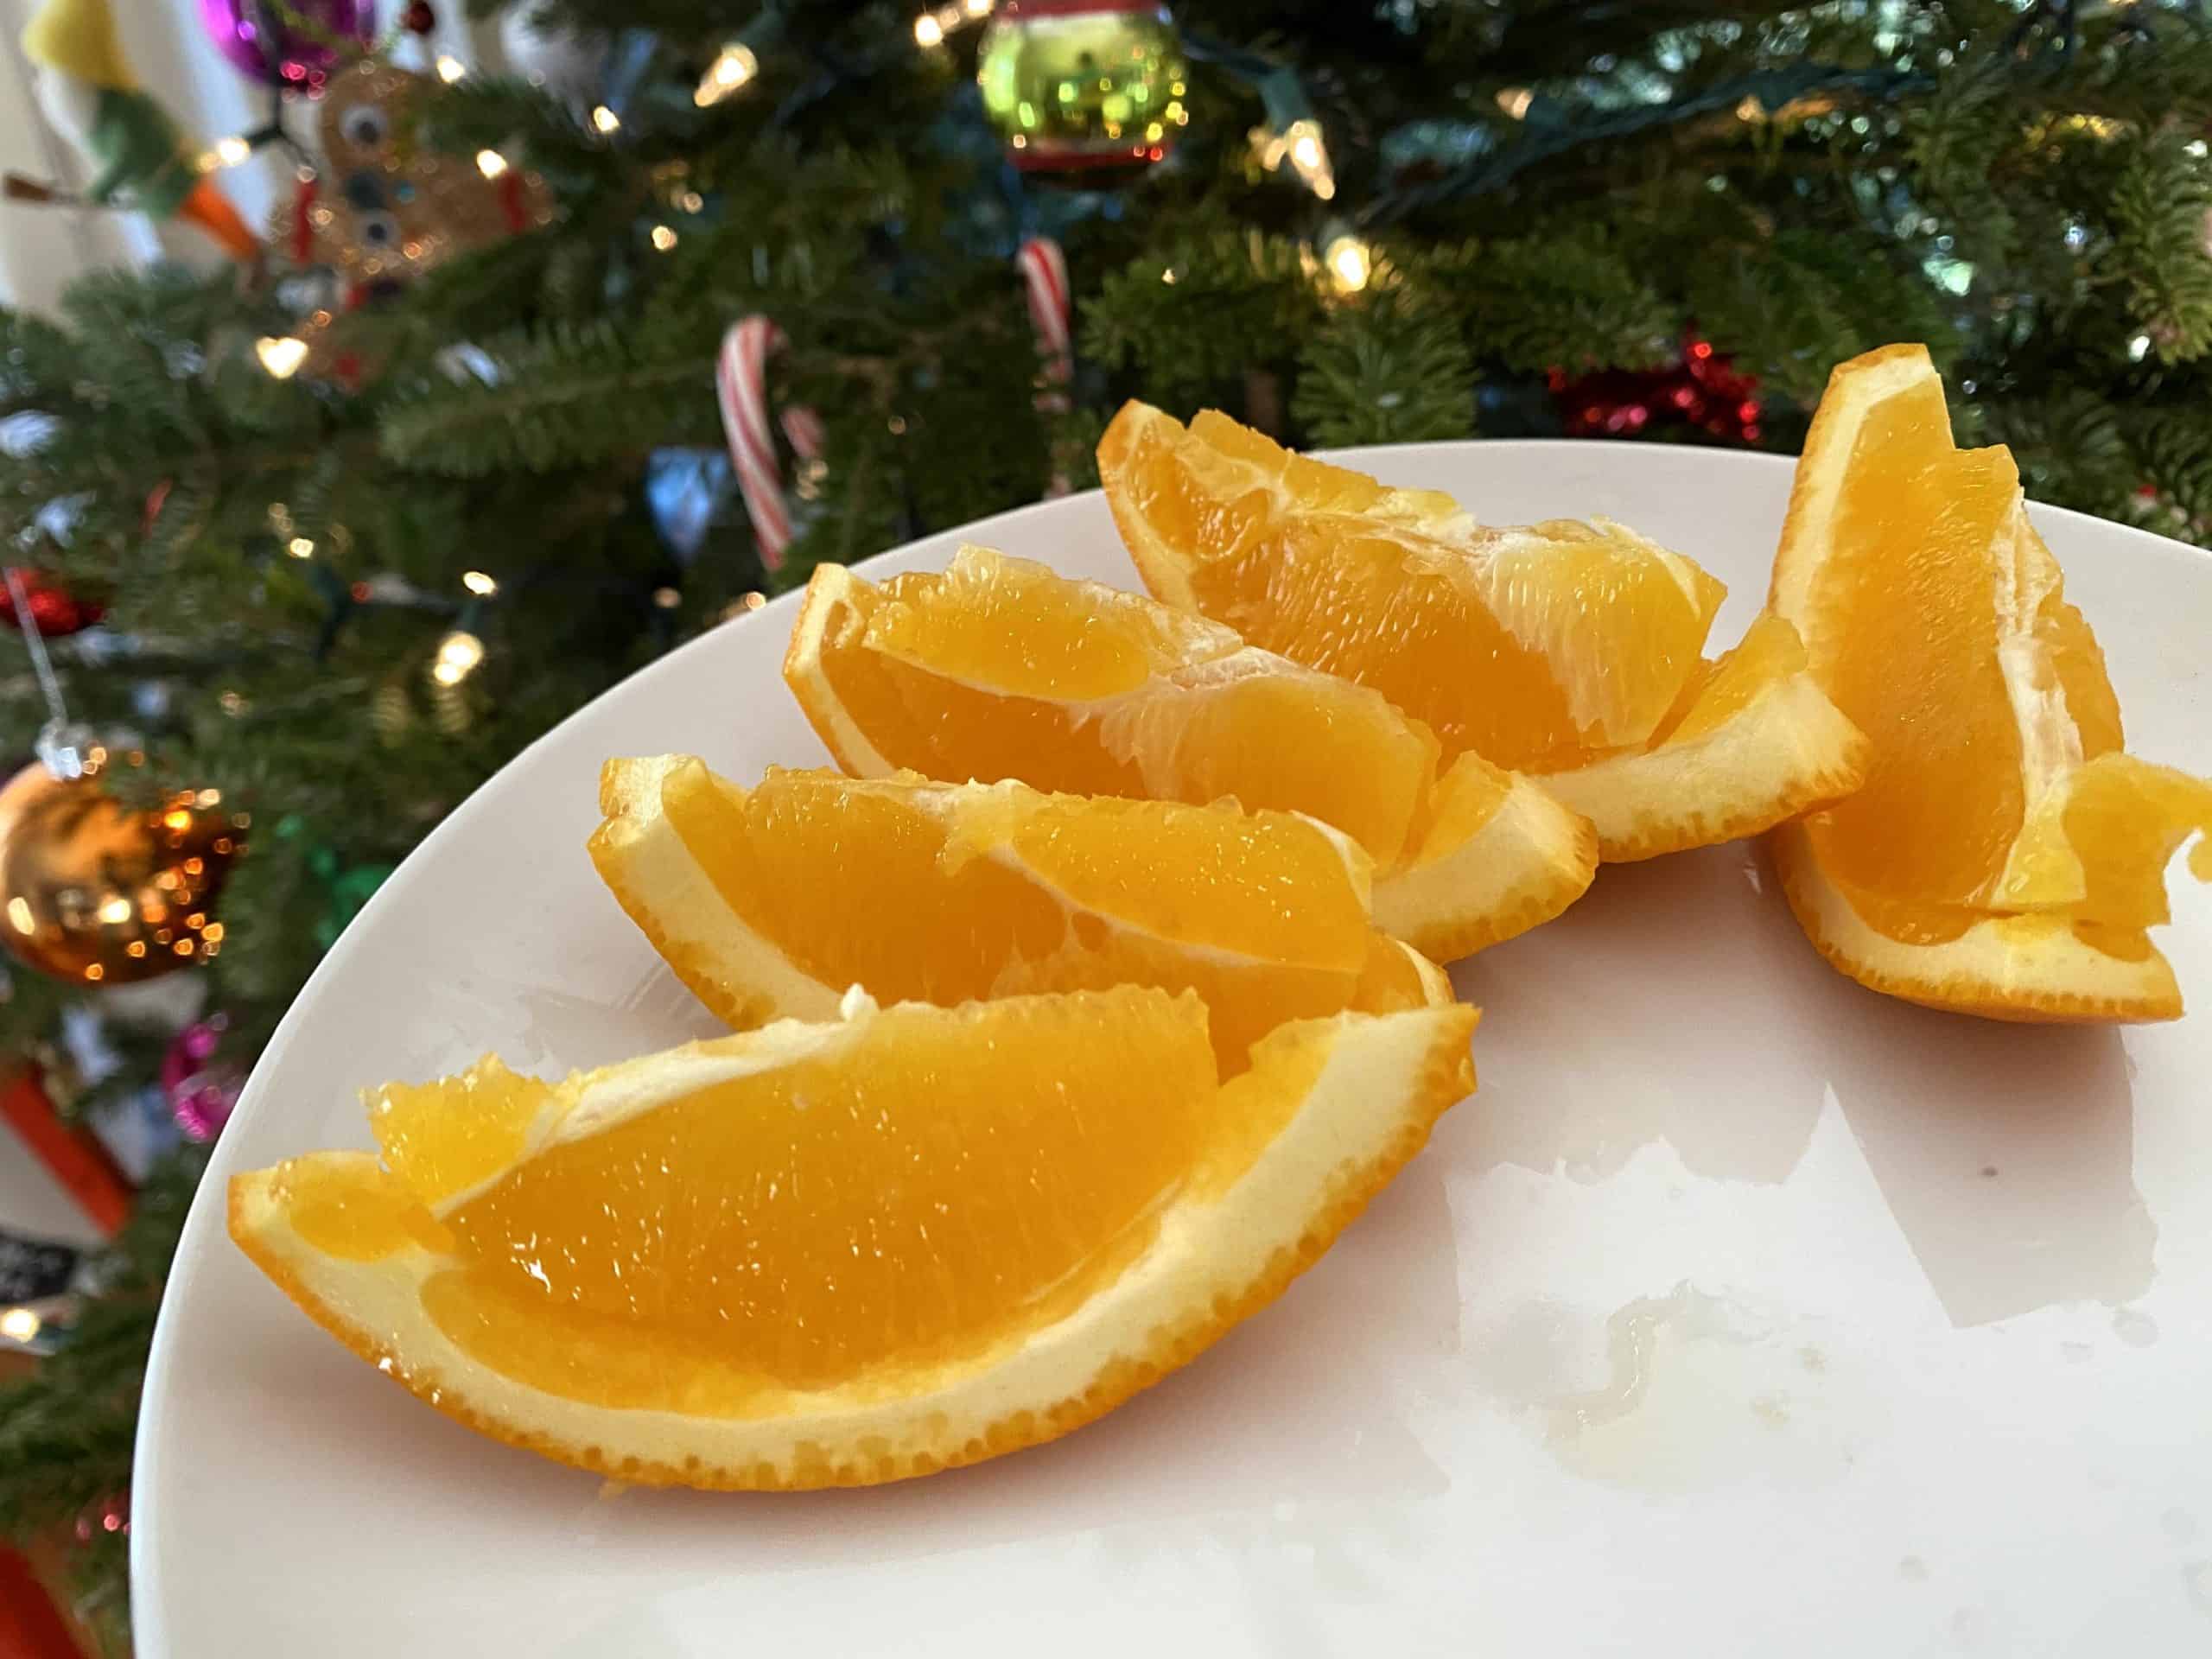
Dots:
{"x": 1541, "y": 648}
{"x": 437, "y": 1150}
{"x": 1768, "y": 653}
{"x": 1923, "y": 541}
{"x": 846, "y": 1212}
{"x": 864, "y": 883}
{"x": 2122, "y": 822}
{"x": 840, "y": 1215}
{"x": 998, "y": 669}
{"x": 1909, "y": 638}
{"x": 357, "y": 1212}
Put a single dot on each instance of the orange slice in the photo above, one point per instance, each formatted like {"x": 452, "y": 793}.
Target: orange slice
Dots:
{"x": 1569, "y": 651}
{"x": 997, "y": 668}
{"x": 2005, "y": 857}
{"x": 851, "y": 1252}
{"x": 769, "y": 902}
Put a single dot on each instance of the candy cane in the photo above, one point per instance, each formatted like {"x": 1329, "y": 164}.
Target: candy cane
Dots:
{"x": 742, "y": 388}
{"x": 1045, "y": 282}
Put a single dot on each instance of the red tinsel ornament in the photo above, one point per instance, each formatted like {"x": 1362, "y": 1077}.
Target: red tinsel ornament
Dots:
{"x": 1704, "y": 391}
{"x": 56, "y": 612}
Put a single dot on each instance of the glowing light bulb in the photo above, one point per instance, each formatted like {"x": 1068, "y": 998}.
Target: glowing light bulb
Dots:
{"x": 450, "y": 68}
{"x": 480, "y": 583}
{"x": 1350, "y": 264}
{"x": 605, "y": 120}
{"x": 928, "y": 31}
{"x": 664, "y": 238}
{"x": 301, "y": 547}
{"x": 1299, "y": 143}
{"x": 734, "y": 66}
{"x": 459, "y": 653}
{"x": 281, "y": 355}
{"x": 20, "y": 1323}
{"x": 490, "y": 163}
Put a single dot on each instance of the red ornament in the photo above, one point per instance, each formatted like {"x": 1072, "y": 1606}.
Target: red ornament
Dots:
{"x": 418, "y": 18}
{"x": 1704, "y": 391}
{"x": 55, "y": 612}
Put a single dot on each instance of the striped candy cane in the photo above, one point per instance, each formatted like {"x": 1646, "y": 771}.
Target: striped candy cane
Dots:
{"x": 1045, "y": 282}
{"x": 742, "y": 389}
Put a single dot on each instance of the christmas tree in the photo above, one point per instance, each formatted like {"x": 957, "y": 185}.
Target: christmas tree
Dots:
{"x": 355, "y": 523}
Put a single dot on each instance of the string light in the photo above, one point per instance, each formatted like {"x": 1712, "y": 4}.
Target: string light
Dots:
{"x": 20, "y": 1323}
{"x": 227, "y": 152}
{"x": 480, "y": 583}
{"x": 300, "y": 547}
{"x": 1301, "y": 145}
{"x": 933, "y": 26}
{"x": 490, "y": 163}
{"x": 459, "y": 653}
{"x": 1515, "y": 100}
{"x": 1350, "y": 263}
{"x": 664, "y": 238}
{"x": 604, "y": 120}
{"x": 281, "y": 355}
{"x": 450, "y": 68}
{"x": 734, "y": 66}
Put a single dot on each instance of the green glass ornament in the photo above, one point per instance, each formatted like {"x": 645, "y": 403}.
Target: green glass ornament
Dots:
{"x": 1070, "y": 85}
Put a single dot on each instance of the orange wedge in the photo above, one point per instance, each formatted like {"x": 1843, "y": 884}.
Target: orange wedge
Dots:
{"x": 849, "y": 1252}
{"x": 769, "y": 902}
{"x": 2005, "y": 857}
{"x": 1568, "y": 651}
{"x": 997, "y": 668}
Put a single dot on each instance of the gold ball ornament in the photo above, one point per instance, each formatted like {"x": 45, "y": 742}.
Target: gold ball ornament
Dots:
{"x": 103, "y": 893}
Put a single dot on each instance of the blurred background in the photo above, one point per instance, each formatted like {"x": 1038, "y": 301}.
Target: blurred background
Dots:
{"x": 381, "y": 380}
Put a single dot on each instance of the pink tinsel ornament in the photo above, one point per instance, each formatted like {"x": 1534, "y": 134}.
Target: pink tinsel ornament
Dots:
{"x": 201, "y": 1089}
{"x": 268, "y": 47}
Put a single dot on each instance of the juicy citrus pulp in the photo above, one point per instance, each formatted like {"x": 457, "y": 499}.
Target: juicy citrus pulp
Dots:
{"x": 997, "y": 668}
{"x": 1538, "y": 648}
{"x": 842, "y": 1253}
{"x": 771, "y": 901}
{"x": 1568, "y": 649}
{"x": 2004, "y": 856}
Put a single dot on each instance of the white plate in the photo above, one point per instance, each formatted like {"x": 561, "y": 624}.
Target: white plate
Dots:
{"x": 1742, "y": 1312}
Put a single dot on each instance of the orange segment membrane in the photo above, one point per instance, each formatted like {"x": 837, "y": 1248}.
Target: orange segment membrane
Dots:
{"x": 1542, "y": 648}
{"x": 477, "y": 1124}
{"x": 997, "y": 669}
{"x": 1768, "y": 653}
{"x": 576, "y": 1347}
{"x": 1909, "y": 642}
{"x": 354, "y": 1211}
{"x": 935, "y": 895}
{"x": 913, "y": 1193}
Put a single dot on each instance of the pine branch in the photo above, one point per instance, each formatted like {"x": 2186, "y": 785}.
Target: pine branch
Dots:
{"x": 1386, "y": 370}
{"x": 557, "y": 398}
{"x": 2161, "y": 203}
